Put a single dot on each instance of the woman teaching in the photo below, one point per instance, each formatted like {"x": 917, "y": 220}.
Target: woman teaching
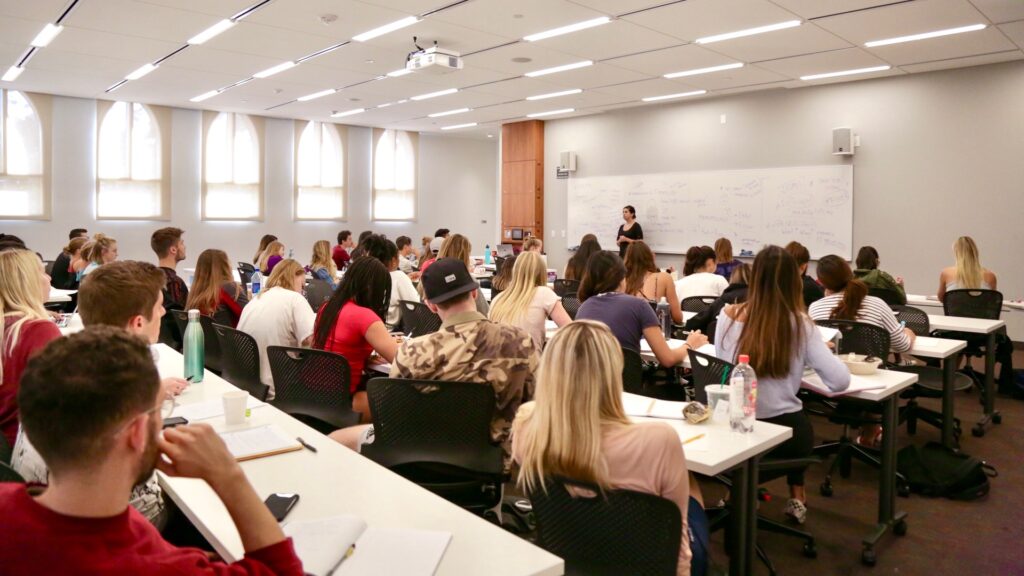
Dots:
{"x": 629, "y": 232}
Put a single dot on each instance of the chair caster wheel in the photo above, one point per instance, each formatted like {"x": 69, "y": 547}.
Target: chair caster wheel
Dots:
{"x": 997, "y": 418}
{"x": 868, "y": 557}
{"x": 825, "y": 489}
{"x": 978, "y": 431}
{"x": 903, "y": 490}
{"x": 900, "y": 528}
{"x": 810, "y": 550}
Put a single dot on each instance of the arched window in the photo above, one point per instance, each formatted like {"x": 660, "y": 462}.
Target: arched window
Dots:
{"x": 394, "y": 175}
{"x": 232, "y": 167}
{"x": 320, "y": 172}
{"x": 131, "y": 163}
{"x": 22, "y": 158}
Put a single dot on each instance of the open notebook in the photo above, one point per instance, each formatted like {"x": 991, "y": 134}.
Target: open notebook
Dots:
{"x": 811, "y": 381}
{"x": 323, "y": 544}
{"x": 259, "y": 441}
{"x": 636, "y": 405}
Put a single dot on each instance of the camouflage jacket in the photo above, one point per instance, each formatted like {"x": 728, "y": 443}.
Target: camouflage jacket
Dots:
{"x": 471, "y": 348}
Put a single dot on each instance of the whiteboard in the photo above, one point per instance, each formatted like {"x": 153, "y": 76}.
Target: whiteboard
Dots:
{"x": 810, "y": 204}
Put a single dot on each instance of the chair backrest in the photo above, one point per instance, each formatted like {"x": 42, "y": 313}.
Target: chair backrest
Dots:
{"x": 887, "y": 295}
{"x": 698, "y": 304}
{"x": 245, "y": 271}
{"x": 418, "y": 319}
{"x": 499, "y": 261}
{"x": 860, "y": 338}
{"x": 615, "y": 532}
{"x": 170, "y": 332}
{"x": 48, "y": 265}
{"x": 572, "y": 304}
{"x": 986, "y": 304}
{"x": 211, "y": 345}
{"x": 8, "y": 474}
{"x": 632, "y": 371}
{"x": 240, "y": 360}
{"x": 707, "y": 369}
{"x": 317, "y": 293}
{"x": 425, "y": 421}
{"x": 312, "y": 385}
{"x": 916, "y": 319}
{"x": 563, "y": 286}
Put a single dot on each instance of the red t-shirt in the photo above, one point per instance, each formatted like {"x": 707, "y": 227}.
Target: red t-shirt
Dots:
{"x": 349, "y": 338}
{"x": 36, "y": 540}
{"x": 425, "y": 265}
{"x": 34, "y": 336}
{"x": 340, "y": 256}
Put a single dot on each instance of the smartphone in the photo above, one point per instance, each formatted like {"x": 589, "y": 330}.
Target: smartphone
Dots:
{"x": 281, "y": 504}
{"x": 174, "y": 421}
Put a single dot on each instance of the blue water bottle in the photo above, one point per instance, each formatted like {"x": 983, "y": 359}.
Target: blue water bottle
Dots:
{"x": 195, "y": 348}
{"x": 487, "y": 255}
{"x": 256, "y": 279}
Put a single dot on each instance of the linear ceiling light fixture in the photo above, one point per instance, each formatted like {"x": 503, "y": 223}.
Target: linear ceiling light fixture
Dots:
{"x": 568, "y": 29}
{"x": 399, "y": 72}
{"x": 316, "y": 95}
{"x": 211, "y": 32}
{"x": 457, "y": 126}
{"x": 551, "y": 113}
{"x": 672, "y": 96}
{"x": 749, "y": 32}
{"x": 925, "y": 35}
{"x": 561, "y": 68}
{"x": 12, "y": 74}
{"x": 845, "y": 73}
{"x": 707, "y": 70}
{"x": 141, "y": 71}
{"x": 435, "y": 94}
{"x": 382, "y": 30}
{"x": 46, "y": 35}
{"x": 555, "y": 94}
{"x": 348, "y": 113}
{"x": 275, "y": 69}
{"x": 448, "y": 113}
{"x": 205, "y": 96}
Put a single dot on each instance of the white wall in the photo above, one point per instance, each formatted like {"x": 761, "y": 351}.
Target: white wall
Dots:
{"x": 942, "y": 155}
{"x": 457, "y": 190}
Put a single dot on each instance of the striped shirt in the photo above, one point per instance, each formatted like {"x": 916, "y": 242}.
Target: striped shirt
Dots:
{"x": 872, "y": 311}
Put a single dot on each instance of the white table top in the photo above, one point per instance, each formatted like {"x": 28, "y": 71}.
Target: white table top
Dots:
{"x": 961, "y": 324}
{"x": 58, "y": 295}
{"x": 74, "y": 325}
{"x": 928, "y": 347}
{"x": 335, "y": 481}
{"x": 893, "y": 380}
{"x": 922, "y": 300}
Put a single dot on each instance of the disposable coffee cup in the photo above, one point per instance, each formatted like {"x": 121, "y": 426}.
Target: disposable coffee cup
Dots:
{"x": 234, "y": 407}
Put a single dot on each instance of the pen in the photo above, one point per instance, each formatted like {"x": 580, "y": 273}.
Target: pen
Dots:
{"x": 306, "y": 446}
{"x": 348, "y": 553}
{"x": 694, "y": 439}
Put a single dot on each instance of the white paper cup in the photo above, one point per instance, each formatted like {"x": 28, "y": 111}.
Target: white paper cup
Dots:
{"x": 715, "y": 393}
{"x": 234, "y": 407}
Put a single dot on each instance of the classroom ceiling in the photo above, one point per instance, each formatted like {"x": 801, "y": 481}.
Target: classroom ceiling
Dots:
{"x": 103, "y": 41}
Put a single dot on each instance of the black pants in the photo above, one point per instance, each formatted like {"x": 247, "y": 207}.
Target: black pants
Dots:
{"x": 800, "y": 445}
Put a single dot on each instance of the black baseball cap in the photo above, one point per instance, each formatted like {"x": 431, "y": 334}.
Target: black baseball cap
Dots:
{"x": 445, "y": 279}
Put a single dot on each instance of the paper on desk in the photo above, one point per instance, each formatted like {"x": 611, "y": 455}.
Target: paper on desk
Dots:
{"x": 645, "y": 347}
{"x": 861, "y": 384}
{"x": 642, "y": 406}
{"x": 827, "y": 334}
{"x": 209, "y": 409}
{"x": 636, "y": 405}
{"x": 259, "y": 441}
{"x": 61, "y": 292}
{"x": 396, "y": 552}
{"x": 321, "y": 543}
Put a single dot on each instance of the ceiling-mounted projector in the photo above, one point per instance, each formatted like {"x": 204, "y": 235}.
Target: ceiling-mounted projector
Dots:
{"x": 434, "y": 60}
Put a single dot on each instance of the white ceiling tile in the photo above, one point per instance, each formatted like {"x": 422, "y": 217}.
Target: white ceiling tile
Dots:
{"x": 221, "y": 61}
{"x": 746, "y": 76}
{"x": 679, "y": 58}
{"x": 964, "y": 62}
{"x": 617, "y": 7}
{"x": 634, "y": 91}
{"x": 132, "y": 18}
{"x": 599, "y": 74}
{"x": 9, "y": 53}
{"x": 363, "y": 58}
{"x": 902, "y": 20}
{"x": 518, "y": 88}
{"x": 113, "y": 69}
{"x": 985, "y": 41}
{"x": 499, "y": 16}
{"x": 39, "y": 10}
{"x": 1015, "y": 30}
{"x": 251, "y": 38}
{"x": 81, "y": 82}
{"x": 797, "y": 66}
{"x": 427, "y": 31}
{"x": 415, "y": 7}
{"x": 804, "y": 39}
{"x": 97, "y": 43}
{"x": 614, "y": 39}
{"x": 763, "y": 87}
{"x": 304, "y": 16}
{"x": 540, "y": 57}
{"x": 19, "y": 30}
{"x": 222, "y": 8}
{"x": 699, "y": 18}
{"x": 174, "y": 86}
{"x": 468, "y": 76}
{"x": 1000, "y": 11}
{"x": 818, "y": 8}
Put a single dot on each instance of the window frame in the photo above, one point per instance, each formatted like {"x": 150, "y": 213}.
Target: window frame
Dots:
{"x": 378, "y": 133}
{"x": 342, "y": 133}
{"x": 42, "y": 106}
{"x": 162, "y": 120}
{"x": 258, "y": 128}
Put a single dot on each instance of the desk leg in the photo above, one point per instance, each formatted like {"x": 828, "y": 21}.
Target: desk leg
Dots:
{"x": 991, "y": 415}
{"x": 888, "y": 517}
{"x": 948, "y": 377}
{"x": 744, "y": 533}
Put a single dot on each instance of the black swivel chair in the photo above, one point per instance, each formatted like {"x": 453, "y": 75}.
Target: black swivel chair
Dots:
{"x": 313, "y": 386}
{"x": 452, "y": 455}
{"x": 240, "y": 360}
{"x": 245, "y": 272}
{"x": 318, "y": 292}
{"x": 572, "y": 304}
{"x": 890, "y": 297}
{"x": 697, "y": 304}
{"x": 417, "y": 318}
{"x": 987, "y": 305}
{"x": 707, "y": 369}
{"x": 563, "y": 286}
{"x": 611, "y": 533}
{"x": 211, "y": 345}
{"x": 633, "y": 372}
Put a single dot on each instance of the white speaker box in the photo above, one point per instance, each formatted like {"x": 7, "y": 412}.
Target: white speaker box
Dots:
{"x": 842, "y": 141}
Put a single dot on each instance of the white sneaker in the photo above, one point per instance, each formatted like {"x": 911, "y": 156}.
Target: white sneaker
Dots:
{"x": 796, "y": 510}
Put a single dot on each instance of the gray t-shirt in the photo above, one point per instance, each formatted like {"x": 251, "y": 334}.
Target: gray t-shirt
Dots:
{"x": 627, "y": 316}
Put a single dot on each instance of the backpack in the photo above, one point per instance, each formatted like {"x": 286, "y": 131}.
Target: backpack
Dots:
{"x": 935, "y": 470}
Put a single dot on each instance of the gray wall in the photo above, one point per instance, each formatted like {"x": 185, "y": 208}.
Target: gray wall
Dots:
{"x": 456, "y": 190}
{"x": 942, "y": 155}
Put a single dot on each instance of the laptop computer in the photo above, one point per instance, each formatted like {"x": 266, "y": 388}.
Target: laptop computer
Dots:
{"x": 504, "y": 250}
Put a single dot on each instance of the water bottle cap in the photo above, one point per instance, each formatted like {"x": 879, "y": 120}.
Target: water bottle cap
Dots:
{"x": 193, "y": 314}
{"x": 744, "y": 359}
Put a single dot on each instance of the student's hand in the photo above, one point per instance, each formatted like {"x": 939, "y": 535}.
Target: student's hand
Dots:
{"x": 696, "y": 340}
{"x": 622, "y": 240}
{"x": 899, "y": 280}
{"x": 196, "y": 451}
{"x": 174, "y": 386}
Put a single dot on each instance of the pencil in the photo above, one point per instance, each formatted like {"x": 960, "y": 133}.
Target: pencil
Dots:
{"x": 694, "y": 439}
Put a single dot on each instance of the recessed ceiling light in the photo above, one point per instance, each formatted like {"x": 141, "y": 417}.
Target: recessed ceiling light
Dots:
{"x": 328, "y": 19}
{"x": 348, "y": 113}
{"x": 555, "y": 94}
{"x": 749, "y": 32}
{"x": 551, "y": 113}
{"x": 12, "y": 74}
{"x": 707, "y": 70}
{"x": 381, "y": 30}
{"x": 435, "y": 94}
{"x": 925, "y": 35}
{"x": 522, "y": 60}
{"x": 568, "y": 29}
{"x": 274, "y": 70}
{"x": 399, "y": 72}
{"x": 316, "y": 95}
{"x": 211, "y": 32}
{"x": 457, "y": 126}
{"x": 205, "y": 96}
{"x": 448, "y": 113}
{"x": 846, "y": 73}
{"x": 561, "y": 68}
{"x": 671, "y": 96}
{"x": 368, "y": 61}
{"x": 141, "y": 71}
{"x": 490, "y": 135}
{"x": 46, "y": 35}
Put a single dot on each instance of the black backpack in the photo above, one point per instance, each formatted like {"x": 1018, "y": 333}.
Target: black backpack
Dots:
{"x": 935, "y": 470}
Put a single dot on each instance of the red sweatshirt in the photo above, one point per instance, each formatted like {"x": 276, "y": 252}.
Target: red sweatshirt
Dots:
{"x": 34, "y": 336}
{"x": 36, "y": 540}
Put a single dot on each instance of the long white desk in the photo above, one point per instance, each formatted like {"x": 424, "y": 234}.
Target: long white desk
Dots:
{"x": 335, "y": 481}
{"x": 1012, "y": 313}
{"x": 59, "y": 296}
{"x": 947, "y": 351}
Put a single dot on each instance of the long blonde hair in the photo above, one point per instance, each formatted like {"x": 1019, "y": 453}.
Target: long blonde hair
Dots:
{"x": 93, "y": 251}
{"x": 579, "y": 389}
{"x": 527, "y": 275}
{"x": 322, "y": 258}
{"x": 271, "y": 249}
{"x": 456, "y": 246}
{"x": 969, "y": 272}
{"x": 283, "y": 275}
{"x": 19, "y": 296}
{"x": 213, "y": 270}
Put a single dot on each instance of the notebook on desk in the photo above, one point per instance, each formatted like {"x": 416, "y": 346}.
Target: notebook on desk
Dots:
{"x": 258, "y": 442}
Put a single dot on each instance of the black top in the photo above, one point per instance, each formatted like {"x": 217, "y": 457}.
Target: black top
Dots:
{"x": 175, "y": 291}
{"x": 707, "y": 320}
{"x": 812, "y": 291}
{"x": 634, "y": 233}
{"x": 59, "y": 275}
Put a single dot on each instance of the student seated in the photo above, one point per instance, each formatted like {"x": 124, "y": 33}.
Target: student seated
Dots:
{"x": 812, "y": 291}
{"x": 214, "y": 290}
{"x": 774, "y": 330}
{"x": 533, "y": 244}
{"x": 340, "y": 253}
{"x": 578, "y": 263}
{"x": 127, "y": 295}
{"x": 431, "y": 254}
{"x": 279, "y": 315}
{"x": 502, "y": 278}
{"x": 60, "y": 274}
{"x": 577, "y": 428}
{"x": 170, "y": 249}
{"x": 699, "y": 278}
{"x": 386, "y": 252}
{"x": 467, "y": 348}
{"x": 968, "y": 271}
{"x": 724, "y": 259}
{"x": 322, "y": 266}
{"x": 629, "y": 318}
{"x": 101, "y": 250}
{"x": 867, "y": 272}
{"x": 351, "y": 323}
{"x": 736, "y": 291}
{"x": 273, "y": 254}
{"x": 528, "y": 302}
{"x": 458, "y": 246}
{"x": 264, "y": 242}
{"x": 98, "y": 429}
{"x": 27, "y": 328}
{"x": 407, "y": 261}
{"x": 644, "y": 280}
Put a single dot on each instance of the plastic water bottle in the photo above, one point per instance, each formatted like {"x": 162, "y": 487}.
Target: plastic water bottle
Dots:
{"x": 195, "y": 348}
{"x": 257, "y": 280}
{"x": 837, "y": 343}
{"x": 665, "y": 317}
{"x": 743, "y": 397}
{"x": 487, "y": 255}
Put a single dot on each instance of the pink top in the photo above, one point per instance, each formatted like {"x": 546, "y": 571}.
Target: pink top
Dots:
{"x": 349, "y": 338}
{"x": 645, "y": 457}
